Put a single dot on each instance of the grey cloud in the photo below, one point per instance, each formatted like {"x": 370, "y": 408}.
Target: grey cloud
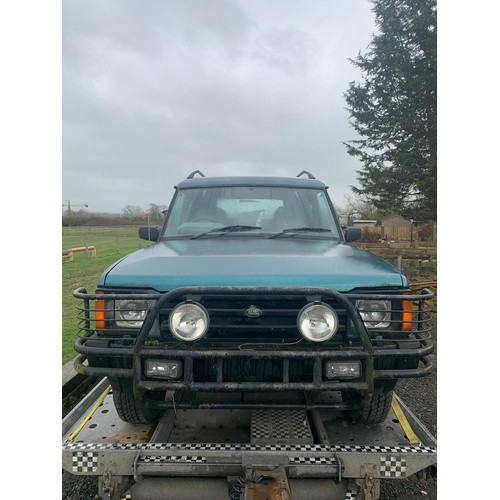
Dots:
{"x": 153, "y": 90}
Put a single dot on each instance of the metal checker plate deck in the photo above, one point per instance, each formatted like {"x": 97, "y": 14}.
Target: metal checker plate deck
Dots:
{"x": 273, "y": 427}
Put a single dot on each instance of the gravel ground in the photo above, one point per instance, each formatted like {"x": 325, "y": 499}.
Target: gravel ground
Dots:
{"x": 420, "y": 395}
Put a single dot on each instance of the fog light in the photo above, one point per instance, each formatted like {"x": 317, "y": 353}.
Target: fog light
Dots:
{"x": 343, "y": 369}
{"x": 163, "y": 369}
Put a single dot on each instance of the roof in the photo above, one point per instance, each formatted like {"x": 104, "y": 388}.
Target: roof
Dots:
{"x": 251, "y": 181}
{"x": 395, "y": 216}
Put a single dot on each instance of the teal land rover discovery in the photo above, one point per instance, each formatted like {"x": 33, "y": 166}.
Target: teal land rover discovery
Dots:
{"x": 252, "y": 296}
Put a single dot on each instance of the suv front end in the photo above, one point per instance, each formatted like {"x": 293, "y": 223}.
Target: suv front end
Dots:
{"x": 249, "y": 315}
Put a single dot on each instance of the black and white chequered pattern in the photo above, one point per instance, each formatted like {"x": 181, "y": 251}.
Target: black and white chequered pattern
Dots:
{"x": 87, "y": 447}
{"x": 84, "y": 461}
{"x": 393, "y": 463}
{"x": 160, "y": 459}
{"x": 198, "y": 447}
{"x": 350, "y": 495}
{"x": 385, "y": 449}
{"x": 312, "y": 460}
{"x": 391, "y": 466}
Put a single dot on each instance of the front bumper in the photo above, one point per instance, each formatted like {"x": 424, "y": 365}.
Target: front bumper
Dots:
{"x": 382, "y": 359}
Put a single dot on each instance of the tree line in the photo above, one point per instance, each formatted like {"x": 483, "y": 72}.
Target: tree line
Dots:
{"x": 130, "y": 214}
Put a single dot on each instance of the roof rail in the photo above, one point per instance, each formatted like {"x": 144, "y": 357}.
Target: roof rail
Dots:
{"x": 192, "y": 174}
{"x": 307, "y": 173}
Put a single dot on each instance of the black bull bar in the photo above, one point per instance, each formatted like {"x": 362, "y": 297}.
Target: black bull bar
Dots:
{"x": 369, "y": 353}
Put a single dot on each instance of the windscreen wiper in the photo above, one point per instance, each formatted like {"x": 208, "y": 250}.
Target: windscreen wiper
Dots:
{"x": 227, "y": 229}
{"x": 296, "y": 230}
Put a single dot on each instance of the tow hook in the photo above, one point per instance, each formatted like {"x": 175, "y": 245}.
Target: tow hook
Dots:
{"x": 368, "y": 483}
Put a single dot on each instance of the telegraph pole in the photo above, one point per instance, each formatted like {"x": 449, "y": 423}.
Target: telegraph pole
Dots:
{"x": 68, "y": 204}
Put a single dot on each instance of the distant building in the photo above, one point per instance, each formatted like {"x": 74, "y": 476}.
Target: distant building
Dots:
{"x": 395, "y": 221}
{"x": 364, "y": 223}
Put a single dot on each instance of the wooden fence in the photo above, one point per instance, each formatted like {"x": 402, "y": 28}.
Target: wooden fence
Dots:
{"x": 399, "y": 233}
{"x": 67, "y": 255}
{"x": 390, "y": 233}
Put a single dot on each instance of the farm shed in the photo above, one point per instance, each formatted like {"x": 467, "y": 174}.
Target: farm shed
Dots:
{"x": 397, "y": 228}
{"x": 364, "y": 223}
{"x": 395, "y": 221}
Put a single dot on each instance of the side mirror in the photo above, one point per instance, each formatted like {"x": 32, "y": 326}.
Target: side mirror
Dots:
{"x": 149, "y": 233}
{"x": 352, "y": 234}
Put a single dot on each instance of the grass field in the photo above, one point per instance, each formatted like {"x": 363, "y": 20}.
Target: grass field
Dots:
{"x": 111, "y": 244}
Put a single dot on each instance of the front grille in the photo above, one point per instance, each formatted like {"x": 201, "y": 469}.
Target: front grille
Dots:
{"x": 277, "y": 322}
{"x": 276, "y": 325}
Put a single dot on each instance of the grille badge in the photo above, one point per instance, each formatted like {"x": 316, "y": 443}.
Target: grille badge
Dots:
{"x": 252, "y": 312}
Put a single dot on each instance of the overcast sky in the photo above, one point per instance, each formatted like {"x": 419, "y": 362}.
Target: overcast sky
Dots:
{"x": 154, "y": 90}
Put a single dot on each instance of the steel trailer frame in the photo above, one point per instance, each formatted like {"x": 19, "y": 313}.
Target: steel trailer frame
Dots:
{"x": 336, "y": 459}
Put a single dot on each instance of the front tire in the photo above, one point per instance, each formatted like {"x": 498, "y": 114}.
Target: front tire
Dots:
{"x": 373, "y": 411}
{"x": 132, "y": 411}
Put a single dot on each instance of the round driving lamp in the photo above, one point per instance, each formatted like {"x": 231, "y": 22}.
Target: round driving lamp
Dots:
{"x": 317, "y": 322}
{"x": 188, "y": 321}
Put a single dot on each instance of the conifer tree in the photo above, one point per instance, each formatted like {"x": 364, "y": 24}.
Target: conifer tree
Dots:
{"x": 394, "y": 110}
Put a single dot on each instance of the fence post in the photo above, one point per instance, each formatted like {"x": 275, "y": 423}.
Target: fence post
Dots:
{"x": 400, "y": 262}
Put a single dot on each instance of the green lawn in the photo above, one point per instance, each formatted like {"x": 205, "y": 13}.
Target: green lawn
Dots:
{"x": 111, "y": 244}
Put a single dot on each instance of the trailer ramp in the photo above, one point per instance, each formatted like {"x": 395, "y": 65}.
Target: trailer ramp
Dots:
{"x": 243, "y": 454}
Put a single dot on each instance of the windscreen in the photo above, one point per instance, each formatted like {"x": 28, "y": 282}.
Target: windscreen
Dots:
{"x": 261, "y": 210}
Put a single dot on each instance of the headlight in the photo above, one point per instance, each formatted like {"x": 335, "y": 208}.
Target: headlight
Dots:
{"x": 188, "y": 321}
{"x": 317, "y": 322}
{"x": 130, "y": 313}
{"x": 375, "y": 313}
